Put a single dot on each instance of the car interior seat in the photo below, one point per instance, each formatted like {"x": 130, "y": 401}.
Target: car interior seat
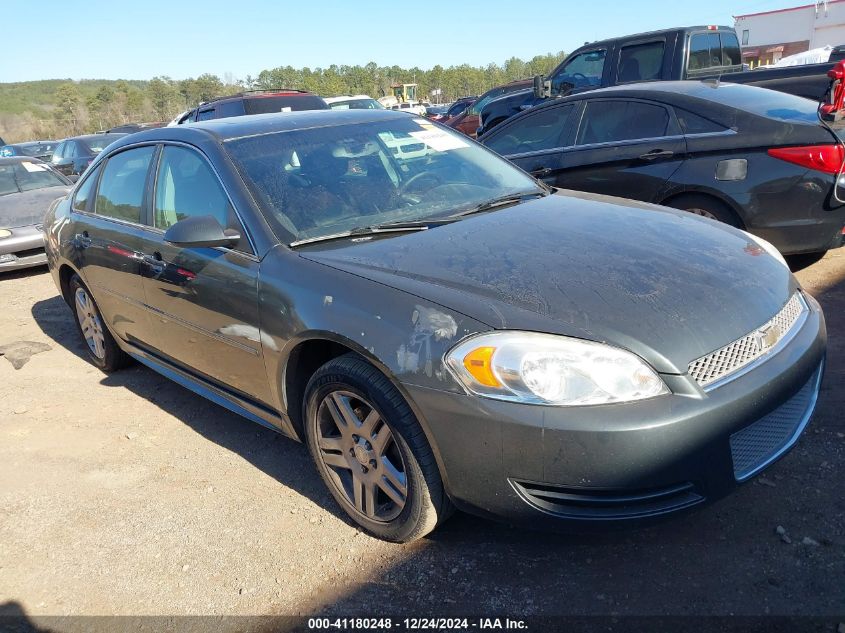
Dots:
{"x": 630, "y": 70}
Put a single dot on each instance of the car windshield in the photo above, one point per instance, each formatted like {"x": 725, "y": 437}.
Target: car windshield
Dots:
{"x": 101, "y": 141}
{"x": 356, "y": 104}
{"x": 322, "y": 181}
{"x": 25, "y": 176}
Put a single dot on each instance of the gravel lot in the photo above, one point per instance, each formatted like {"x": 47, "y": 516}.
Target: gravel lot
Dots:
{"x": 127, "y": 494}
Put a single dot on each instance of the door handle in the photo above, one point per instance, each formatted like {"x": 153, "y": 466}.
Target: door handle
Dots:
{"x": 83, "y": 240}
{"x": 657, "y": 153}
{"x": 152, "y": 260}
{"x": 542, "y": 172}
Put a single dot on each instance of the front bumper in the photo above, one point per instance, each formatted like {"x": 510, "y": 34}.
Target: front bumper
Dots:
{"x": 624, "y": 462}
{"x": 24, "y": 248}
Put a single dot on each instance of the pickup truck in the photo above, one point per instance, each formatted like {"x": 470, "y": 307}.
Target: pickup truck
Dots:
{"x": 696, "y": 52}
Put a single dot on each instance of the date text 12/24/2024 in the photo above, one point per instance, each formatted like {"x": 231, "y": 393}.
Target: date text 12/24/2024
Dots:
{"x": 416, "y": 624}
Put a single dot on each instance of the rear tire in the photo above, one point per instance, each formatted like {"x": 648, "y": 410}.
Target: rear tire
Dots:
{"x": 371, "y": 452}
{"x": 706, "y": 206}
{"x": 102, "y": 349}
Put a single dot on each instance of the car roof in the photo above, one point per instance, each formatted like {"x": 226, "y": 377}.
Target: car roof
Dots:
{"x": 647, "y": 34}
{"x": 88, "y": 137}
{"x": 671, "y": 91}
{"x": 257, "y": 124}
{"x": 260, "y": 94}
{"x": 721, "y": 95}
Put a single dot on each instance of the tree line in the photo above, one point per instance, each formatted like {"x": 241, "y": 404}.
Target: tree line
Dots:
{"x": 58, "y": 109}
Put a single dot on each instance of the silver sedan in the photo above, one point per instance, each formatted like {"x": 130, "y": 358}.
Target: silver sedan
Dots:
{"x": 27, "y": 187}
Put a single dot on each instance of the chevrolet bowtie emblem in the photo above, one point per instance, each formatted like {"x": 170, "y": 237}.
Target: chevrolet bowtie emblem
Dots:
{"x": 767, "y": 337}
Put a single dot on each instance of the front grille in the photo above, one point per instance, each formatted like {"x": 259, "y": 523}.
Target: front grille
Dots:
{"x": 604, "y": 504}
{"x": 729, "y": 359}
{"x": 758, "y": 445}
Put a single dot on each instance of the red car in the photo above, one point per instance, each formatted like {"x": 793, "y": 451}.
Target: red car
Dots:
{"x": 469, "y": 120}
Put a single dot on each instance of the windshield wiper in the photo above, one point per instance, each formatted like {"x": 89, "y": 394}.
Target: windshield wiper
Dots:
{"x": 502, "y": 201}
{"x": 365, "y": 230}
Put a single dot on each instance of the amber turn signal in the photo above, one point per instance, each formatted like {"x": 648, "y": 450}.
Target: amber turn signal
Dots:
{"x": 479, "y": 364}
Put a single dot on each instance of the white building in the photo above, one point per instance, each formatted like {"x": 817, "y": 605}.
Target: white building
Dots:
{"x": 770, "y": 35}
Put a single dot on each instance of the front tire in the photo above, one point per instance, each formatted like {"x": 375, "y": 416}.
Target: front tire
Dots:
{"x": 102, "y": 348}
{"x": 371, "y": 452}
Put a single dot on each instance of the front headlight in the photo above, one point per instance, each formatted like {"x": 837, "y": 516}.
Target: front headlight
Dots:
{"x": 5, "y": 233}
{"x": 552, "y": 370}
{"x": 768, "y": 247}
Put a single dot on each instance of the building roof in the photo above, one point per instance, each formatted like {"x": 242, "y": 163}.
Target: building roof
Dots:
{"x": 786, "y": 10}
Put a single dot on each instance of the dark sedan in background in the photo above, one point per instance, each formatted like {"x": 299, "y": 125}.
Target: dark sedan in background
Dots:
{"x": 753, "y": 158}
{"x": 468, "y": 119}
{"x": 73, "y": 155}
{"x": 27, "y": 187}
{"x": 42, "y": 150}
{"x": 440, "y": 328}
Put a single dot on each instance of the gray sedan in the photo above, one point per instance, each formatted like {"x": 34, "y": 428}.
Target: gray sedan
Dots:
{"x": 439, "y": 328}
{"x": 27, "y": 187}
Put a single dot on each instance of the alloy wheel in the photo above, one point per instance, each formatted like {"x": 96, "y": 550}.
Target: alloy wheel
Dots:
{"x": 89, "y": 322}
{"x": 361, "y": 456}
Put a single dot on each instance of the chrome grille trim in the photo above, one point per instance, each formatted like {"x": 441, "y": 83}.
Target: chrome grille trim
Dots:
{"x": 736, "y": 358}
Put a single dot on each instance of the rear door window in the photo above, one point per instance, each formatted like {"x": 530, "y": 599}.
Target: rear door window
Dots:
{"x": 617, "y": 120}
{"x": 122, "y": 186}
{"x": 640, "y": 62}
{"x": 547, "y": 129}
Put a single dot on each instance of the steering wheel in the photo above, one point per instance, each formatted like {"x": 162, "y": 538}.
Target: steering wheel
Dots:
{"x": 416, "y": 178}
{"x": 581, "y": 76}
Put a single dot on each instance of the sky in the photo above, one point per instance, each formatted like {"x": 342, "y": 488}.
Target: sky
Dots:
{"x": 140, "y": 39}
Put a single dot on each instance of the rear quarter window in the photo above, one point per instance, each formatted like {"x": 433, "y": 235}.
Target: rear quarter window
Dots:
{"x": 694, "y": 124}
{"x": 293, "y": 103}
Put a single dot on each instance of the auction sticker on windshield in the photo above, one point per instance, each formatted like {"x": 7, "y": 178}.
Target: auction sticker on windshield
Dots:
{"x": 439, "y": 141}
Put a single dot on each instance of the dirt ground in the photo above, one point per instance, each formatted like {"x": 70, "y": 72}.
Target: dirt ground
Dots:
{"x": 127, "y": 494}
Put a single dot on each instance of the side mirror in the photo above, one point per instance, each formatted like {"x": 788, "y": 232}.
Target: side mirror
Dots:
{"x": 539, "y": 86}
{"x": 73, "y": 177}
{"x": 198, "y": 231}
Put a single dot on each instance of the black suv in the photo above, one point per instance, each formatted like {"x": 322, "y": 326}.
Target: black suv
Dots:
{"x": 254, "y": 102}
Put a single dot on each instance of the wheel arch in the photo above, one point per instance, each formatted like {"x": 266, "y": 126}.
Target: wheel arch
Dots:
{"x": 310, "y": 351}
{"x": 66, "y": 272}
{"x": 719, "y": 197}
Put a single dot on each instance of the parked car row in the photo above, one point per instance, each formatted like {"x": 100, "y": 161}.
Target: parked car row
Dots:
{"x": 753, "y": 158}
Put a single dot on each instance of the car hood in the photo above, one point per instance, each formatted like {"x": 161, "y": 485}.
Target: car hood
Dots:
{"x": 665, "y": 284}
{"x": 28, "y": 207}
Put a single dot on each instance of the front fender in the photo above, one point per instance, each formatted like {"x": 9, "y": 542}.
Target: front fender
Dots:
{"x": 404, "y": 335}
